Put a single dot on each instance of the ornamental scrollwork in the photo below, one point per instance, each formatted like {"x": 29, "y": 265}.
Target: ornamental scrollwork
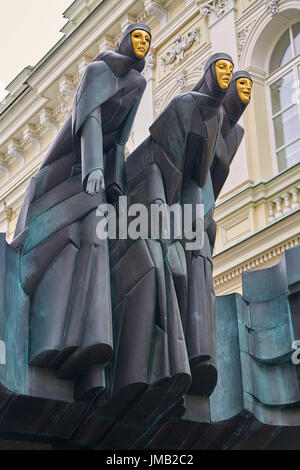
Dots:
{"x": 218, "y": 7}
{"x": 149, "y": 67}
{"x": 272, "y": 6}
{"x": 180, "y": 45}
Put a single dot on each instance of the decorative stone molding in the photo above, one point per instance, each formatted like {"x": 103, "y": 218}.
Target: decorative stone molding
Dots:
{"x": 65, "y": 96}
{"x": 106, "y": 43}
{"x": 243, "y": 36}
{"x": 257, "y": 75}
{"x": 287, "y": 207}
{"x": 181, "y": 80}
{"x": 31, "y": 137}
{"x": 272, "y": 6}
{"x": 76, "y": 13}
{"x": 66, "y": 88}
{"x": 7, "y": 214}
{"x": 126, "y": 21}
{"x": 15, "y": 152}
{"x": 81, "y": 64}
{"x": 278, "y": 210}
{"x": 150, "y": 65}
{"x": 236, "y": 228}
{"x": 4, "y": 168}
{"x": 271, "y": 211}
{"x": 47, "y": 120}
{"x": 290, "y": 203}
{"x": 59, "y": 113}
{"x": 181, "y": 44}
{"x": 294, "y": 193}
{"x": 155, "y": 8}
{"x": 217, "y": 7}
{"x": 256, "y": 262}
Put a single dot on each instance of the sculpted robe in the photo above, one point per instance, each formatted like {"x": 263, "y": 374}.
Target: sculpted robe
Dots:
{"x": 150, "y": 277}
{"x": 64, "y": 267}
{"x": 201, "y": 310}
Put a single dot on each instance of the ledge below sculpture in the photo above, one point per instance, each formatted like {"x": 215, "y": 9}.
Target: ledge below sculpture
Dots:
{"x": 257, "y": 381}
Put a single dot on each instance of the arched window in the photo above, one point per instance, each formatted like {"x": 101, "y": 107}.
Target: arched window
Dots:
{"x": 284, "y": 83}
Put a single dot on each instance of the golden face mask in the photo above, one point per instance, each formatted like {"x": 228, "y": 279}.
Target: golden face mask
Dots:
{"x": 244, "y": 88}
{"x": 224, "y": 69}
{"x": 140, "y": 41}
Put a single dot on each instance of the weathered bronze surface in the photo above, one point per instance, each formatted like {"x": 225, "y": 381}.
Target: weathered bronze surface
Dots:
{"x": 122, "y": 344}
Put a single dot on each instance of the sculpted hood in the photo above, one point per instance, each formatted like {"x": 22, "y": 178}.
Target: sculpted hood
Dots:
{"x": 209, "y": 84}
{"x": 232, "y": 104}
{"x": 124, "y": 58}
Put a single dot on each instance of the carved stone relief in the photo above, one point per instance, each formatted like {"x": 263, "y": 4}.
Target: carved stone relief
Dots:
{"x": 218, "y": 7}
{"x": 181, "y": 44}
{"x": 272, "y": 6}
{"x": 243, "y": 37}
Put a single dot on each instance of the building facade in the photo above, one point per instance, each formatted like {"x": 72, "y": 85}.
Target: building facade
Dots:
{"x": 257, "y": 213}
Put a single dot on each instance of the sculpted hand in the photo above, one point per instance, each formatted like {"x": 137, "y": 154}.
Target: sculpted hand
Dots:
{"x": 95, "y": 182}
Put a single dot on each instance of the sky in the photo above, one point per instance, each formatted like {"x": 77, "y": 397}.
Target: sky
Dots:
{"x": 29, "y": 28}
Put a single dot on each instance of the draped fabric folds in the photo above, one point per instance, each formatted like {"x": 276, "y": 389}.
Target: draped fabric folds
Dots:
{"x": 132, "y": 318}
{"x": 64, "y": 267}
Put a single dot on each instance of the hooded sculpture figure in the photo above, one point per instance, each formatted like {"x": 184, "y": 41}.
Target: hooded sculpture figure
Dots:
{"x": 64, "y": 267}
{"x": 173, "y": 163}
{"x": 201, "y": 294}
{"x": 231, "y": 133}
{"x": 196, "y": 282}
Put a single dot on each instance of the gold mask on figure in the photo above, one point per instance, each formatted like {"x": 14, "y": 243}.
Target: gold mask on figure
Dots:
{"x": 244, "y": 88}
{"x": 140, "y": 41}
{"x": 224, "y": 69}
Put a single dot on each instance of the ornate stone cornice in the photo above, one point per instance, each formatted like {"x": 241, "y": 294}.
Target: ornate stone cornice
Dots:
{"x": 31, "y": 137}
{"x": 4, "y": 167}
{"x": 125, "y": 21}
{"x": 47, "y": 120}
{"x": 15, "y": 152}
{"x": 81, "y": 64}
{"x": 260, "y": 261}
{"x": 66, "y": 88}
{"x": 154, "y": 8}
{"x": 106, "y": 43}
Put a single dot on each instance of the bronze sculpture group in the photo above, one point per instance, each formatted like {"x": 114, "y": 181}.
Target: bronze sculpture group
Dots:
{"x": 129, "y": 319}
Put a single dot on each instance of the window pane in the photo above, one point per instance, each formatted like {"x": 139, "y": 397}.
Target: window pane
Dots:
{"x": 289, "y": 156}
{"x": 286, "y": 127}
{"x": 282, "y": 52}
{"x": 296, "y": 35}
{"x": 281, "y": 92}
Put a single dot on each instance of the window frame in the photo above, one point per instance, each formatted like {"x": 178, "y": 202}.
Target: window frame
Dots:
{"x": 291, "y": 65}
